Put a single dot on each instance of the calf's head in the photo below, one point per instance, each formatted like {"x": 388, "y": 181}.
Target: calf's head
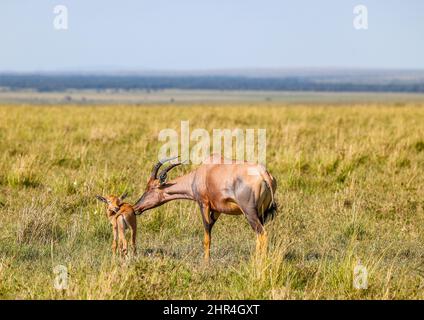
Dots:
{"x": 113, "y": 203}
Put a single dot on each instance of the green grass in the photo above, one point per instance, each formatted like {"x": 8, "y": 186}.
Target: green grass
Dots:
{"x": 350, "y": 188}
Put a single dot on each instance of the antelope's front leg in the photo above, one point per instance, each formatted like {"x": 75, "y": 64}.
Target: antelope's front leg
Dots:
{"x": 208, "y": 224}
{"x": 207, "y": 245}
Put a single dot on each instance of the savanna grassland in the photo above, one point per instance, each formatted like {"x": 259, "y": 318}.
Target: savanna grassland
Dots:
{"x": 350, "y": 189}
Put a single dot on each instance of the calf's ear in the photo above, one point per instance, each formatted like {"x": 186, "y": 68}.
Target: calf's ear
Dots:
{"x": 100, "y": 198}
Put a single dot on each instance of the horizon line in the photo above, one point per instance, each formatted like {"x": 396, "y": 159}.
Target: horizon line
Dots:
{"x": 204, "y": 72}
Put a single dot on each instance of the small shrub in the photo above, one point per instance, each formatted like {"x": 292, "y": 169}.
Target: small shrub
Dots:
{"x": 23, "y": 181}
{"x": 419, "y": 146}
{"x": 68, "y": 163}
{"x": 403, "y": 163}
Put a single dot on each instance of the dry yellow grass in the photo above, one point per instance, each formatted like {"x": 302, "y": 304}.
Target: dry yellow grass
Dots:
{"x": 350, "y": 188}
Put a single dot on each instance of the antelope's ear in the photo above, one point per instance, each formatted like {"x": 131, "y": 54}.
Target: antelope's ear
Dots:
{"x": 100, "y": 198}
{"x": 124, "y": 195}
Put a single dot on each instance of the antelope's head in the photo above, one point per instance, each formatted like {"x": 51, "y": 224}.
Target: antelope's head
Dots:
{"x": 153, "y": 196}
{"x": 113, "y": 203}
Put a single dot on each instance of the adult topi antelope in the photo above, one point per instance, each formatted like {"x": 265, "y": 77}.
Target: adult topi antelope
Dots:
{"x": 218, "y": 187}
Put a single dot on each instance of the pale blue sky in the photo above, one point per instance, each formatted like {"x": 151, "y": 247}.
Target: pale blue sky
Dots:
{"x": 206, "y": 34}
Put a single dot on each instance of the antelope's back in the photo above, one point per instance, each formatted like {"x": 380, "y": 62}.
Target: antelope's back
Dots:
{"x": 218, "y": 173}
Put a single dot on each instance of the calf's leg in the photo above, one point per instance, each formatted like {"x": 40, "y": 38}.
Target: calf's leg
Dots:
{"x": 115, "y": 237}
{"x": 121, "y": 230}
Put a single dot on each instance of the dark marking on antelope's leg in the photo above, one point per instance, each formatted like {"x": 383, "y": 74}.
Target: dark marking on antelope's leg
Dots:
{"x": 254, "y": 221}
{"x": 247, "y": 202}
{"x": 214, "y": 216}
{"x": 209, "y": 218}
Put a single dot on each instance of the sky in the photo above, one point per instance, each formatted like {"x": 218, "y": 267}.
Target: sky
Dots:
{"x": 209, "y": 35}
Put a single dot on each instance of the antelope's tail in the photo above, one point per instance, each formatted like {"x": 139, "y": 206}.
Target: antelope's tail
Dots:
{"x": 271, "y": 212}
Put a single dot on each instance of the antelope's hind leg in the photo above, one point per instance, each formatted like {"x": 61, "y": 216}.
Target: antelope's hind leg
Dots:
{"x": 256, "y": 224}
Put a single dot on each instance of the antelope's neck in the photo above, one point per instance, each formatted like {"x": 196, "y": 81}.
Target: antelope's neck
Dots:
{"x": 180, "y": 188}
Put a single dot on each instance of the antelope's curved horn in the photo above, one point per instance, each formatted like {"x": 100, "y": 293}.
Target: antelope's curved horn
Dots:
{"x": 164, "y": 173}
{"x": 157, "y": 166}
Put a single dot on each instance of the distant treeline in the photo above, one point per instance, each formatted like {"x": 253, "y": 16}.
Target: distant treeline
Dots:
{"x": 45, "y": 83}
